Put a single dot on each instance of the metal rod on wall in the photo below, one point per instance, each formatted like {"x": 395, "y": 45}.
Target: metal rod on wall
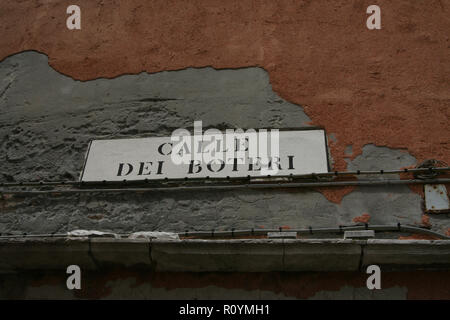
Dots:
{"x": 232, "y": 187}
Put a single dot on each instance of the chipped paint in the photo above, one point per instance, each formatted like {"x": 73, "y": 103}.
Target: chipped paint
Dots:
{"x": 360, "y": 85}
{"x": 376, "y": 93}
{"x": 364, "y": 218}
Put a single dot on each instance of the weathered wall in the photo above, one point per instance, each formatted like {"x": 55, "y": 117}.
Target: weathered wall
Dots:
{"x": 382, "y": 96}
{"x": 388, "y": 87}
{"x": 140, "y": 68}
{"x": 129, "y": 284}
{"x": 47, "y": 120}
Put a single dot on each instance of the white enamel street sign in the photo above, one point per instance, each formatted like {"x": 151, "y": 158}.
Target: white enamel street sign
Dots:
{"x": 207, "y": 155}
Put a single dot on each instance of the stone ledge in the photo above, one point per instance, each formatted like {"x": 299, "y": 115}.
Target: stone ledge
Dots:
{"x": 238, "y": 255}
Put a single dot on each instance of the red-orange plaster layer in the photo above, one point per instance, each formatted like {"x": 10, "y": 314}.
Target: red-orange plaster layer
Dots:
{"x": 364, "y": 218}
{"x": 418, "y": 237}
{"x": 425, "y": 221}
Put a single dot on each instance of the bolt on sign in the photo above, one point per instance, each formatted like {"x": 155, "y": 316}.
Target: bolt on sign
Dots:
{"x": 210, "y": 154}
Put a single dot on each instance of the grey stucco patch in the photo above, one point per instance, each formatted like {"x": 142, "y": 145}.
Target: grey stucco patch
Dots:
{"x": 385, "y": 204}
{"x": 377, "y": 158}
{"x": 47, "y": 120}
{"x": 180, "y": 211}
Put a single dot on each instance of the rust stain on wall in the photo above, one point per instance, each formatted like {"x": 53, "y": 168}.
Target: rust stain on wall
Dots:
{"x": 364, "y": 218}
{"x": 388, "y": 87}
{"x": 335, "y": 194}
{"x": 425, "y": 221}
{"x": 418, "y": 237}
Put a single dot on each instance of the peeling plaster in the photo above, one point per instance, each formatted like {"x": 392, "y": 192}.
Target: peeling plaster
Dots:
{"x": 47, "y": 120}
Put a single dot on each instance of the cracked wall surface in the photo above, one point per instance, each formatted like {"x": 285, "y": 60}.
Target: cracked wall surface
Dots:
{"x": 47, "y": 120}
